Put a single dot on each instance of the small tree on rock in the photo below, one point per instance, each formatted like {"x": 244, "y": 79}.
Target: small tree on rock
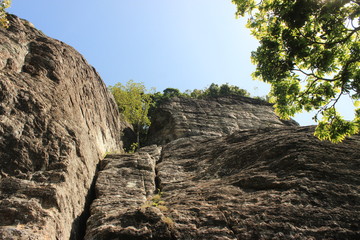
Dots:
{"x": 134, "y": 102}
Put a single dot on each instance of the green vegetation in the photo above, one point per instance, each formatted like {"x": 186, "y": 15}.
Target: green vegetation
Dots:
{"x": 3, "y": 20}
{"x": 214, "y": 90}
{"x": 134, "y": 103}
{"x": 133, "y": 147}
{"x": 156, "y": 201}
{"x": 310, "y": 54}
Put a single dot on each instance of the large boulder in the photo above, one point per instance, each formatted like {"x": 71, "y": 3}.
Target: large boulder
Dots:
{"x": 183, "y": 117}
{"x": 57, "y": 120}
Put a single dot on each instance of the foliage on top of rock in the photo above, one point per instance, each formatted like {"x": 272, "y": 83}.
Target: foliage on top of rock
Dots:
{"x": 214, "y": 90}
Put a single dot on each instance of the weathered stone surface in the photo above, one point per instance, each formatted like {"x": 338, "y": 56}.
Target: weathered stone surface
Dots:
{"x": 262, "y": 184}
{"x": 124, "y": 184}
{"x": 184, "y": 117}
{"x": 270, "y": 183}
{"x": 57, "y": 120}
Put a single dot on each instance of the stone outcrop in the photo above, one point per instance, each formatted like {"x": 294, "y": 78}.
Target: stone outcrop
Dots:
{"x": 212, "y": 180}
{"x": 124, "y": 184}
{"x": 184, "y": 117}
{"x": 221, "y": 168}
{"x": 270, "y": 183}
{"x": 57, "y": 120}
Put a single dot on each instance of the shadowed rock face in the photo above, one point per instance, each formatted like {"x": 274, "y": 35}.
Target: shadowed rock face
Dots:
{"x": 271, "y": 183}
{"x": 57, "y": 120}
{"x": 184, "y": 117}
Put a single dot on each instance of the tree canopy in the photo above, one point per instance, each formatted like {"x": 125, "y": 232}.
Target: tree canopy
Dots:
{"x": 3, "y": 20}
{"x": 214, "y": 90}
{"x": 309, "y": 52}
{"x": 134, "y": 102}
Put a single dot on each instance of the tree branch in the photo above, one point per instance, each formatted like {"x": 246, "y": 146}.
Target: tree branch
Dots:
{"x": 315, "y": 76}
{"x": 313, "y": 41}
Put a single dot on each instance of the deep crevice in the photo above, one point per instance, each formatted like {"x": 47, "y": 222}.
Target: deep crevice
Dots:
{"x": 158, "y": 186}
{"x": 78, "y": 229}
{"x": 157, "y": 180}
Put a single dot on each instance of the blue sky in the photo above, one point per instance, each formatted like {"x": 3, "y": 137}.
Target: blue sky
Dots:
{"x": 185, "y": 44}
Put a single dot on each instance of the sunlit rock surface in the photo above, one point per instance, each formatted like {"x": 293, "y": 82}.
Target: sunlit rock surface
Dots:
{"x": 183, "y": 117}
{"x": 268, "y": 183}
{"x": 57, "y": 120}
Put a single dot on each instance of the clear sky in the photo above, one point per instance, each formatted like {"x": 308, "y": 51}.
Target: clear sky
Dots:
{"x": 185, "y": 44}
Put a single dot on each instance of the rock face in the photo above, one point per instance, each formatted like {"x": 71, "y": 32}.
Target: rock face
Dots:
{"x": 270, "y": 183}
{"x": 124, "y": 184}
{"x": 224, "y": 168}
{"x": 184, "y": 117}
{"x": 262, "y": 184}
{"x": 57, "y": 120}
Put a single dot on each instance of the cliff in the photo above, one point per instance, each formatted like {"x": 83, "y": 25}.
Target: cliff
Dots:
{"x": 277, "y": 182}
{"x": 184, "y": 117}
{"x": 57, "y": 120}
{"x": 218, "y": 168}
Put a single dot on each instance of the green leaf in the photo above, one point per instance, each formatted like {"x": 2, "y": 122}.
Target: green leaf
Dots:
{"x": 357, "y": 104}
